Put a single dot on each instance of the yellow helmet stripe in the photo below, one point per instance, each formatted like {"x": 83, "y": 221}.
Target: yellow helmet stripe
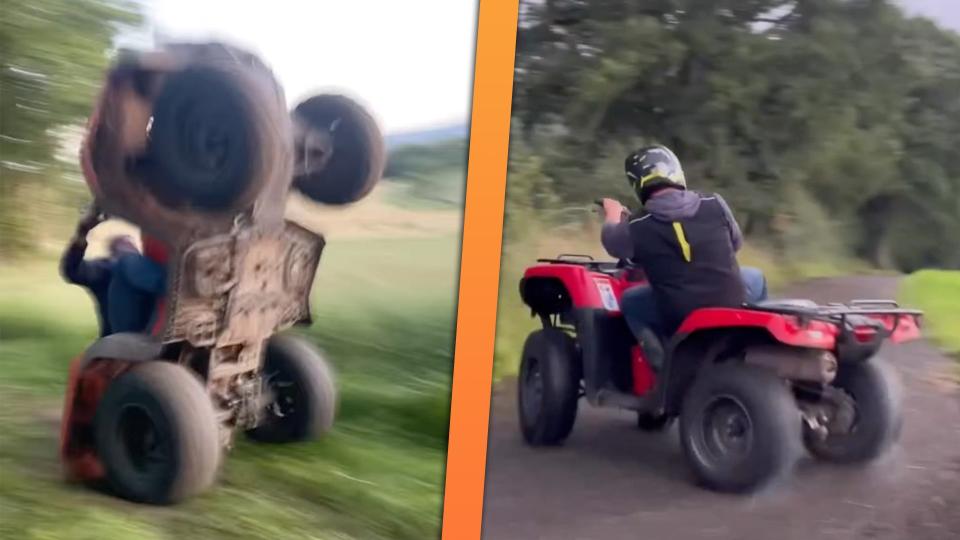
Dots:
{"x": 682, "y": 239}
{"x": 651, "y": 176}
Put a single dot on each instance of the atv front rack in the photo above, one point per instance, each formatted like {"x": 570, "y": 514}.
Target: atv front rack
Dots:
{"x": 586, "y": 261}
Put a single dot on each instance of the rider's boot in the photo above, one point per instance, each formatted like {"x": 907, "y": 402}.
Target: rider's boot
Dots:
{"x": 652, "y": 349}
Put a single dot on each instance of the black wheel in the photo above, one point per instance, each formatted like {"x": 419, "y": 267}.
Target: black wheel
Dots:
{"x": 878, "y": 417}
{"x": 304, "y": 397}
{"x": 157, "y": 434}
{"x": 339, "y": 155}
{"x": 740, "y": 428}
{"x": 653, "y": 424}
{"x": 202, "y": 140}
{"x": 548, "y": 387}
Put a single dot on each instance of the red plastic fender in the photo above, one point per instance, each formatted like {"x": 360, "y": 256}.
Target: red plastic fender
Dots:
{"x": 587, "y": 289}
{"x": 86, "y": 383}
{"x": 86, "y": 156}
{"x": 903, "y": 326}
{"x": 158, "y": 252}
{"x": 643, "y": 376}
{"x": 154, "y": 249}
{"x": 784, "y": 328}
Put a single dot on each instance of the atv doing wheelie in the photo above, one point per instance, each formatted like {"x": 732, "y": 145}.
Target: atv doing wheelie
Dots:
{"x": 750, "y": 386}
{"x": 194, "y": 145}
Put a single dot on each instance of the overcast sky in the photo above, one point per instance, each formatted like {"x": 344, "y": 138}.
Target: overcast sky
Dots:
{"x": 410, "y": 62}
{"x": 945, "y": 12}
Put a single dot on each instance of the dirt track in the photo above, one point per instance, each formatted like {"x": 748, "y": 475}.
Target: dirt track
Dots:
{"x": 611, "y": 481}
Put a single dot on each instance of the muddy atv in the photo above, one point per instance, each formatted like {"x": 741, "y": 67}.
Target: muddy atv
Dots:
{"x": 750, "y": 386}
{"x": 194, "y": 145}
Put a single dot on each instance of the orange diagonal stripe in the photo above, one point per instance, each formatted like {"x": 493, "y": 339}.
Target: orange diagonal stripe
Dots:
{"x": 479, "y": 269}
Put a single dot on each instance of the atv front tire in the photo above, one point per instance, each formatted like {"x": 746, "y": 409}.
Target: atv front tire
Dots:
{"x": 302, "y": 385}
{"x": 353, "y": 157}
{"x": 740, "y": 428}
{"x": 548, "y": 387}
{"x": 157, "y": 435}
{"x": 874, "y": 387}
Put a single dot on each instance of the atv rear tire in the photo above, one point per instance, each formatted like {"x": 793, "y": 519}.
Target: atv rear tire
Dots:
{"x": 548, "y": 387}
{"x": 157, "y": 434}
{"x": 874, "y": 387}
{"x": 740, "y": 428}
{"x": 305, "y": 398}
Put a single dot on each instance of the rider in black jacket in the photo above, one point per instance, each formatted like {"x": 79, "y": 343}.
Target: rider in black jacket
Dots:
{"x": 686, "y": 242}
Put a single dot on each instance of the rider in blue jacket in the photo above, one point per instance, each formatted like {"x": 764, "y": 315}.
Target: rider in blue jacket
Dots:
{"x": 125, "y": 285}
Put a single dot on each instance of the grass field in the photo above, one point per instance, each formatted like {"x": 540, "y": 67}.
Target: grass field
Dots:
{"x": 937, "y": 293}
{"x": 384, "y": 314}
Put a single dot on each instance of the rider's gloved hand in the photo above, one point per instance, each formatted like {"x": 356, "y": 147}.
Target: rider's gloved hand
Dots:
{"x": 91, "y": 218}
{"x": 613, "y": 211}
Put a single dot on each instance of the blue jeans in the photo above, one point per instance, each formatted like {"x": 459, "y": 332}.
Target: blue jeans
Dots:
{"x": 755, "y": 284}
{"x": 639, "y": 307}
{"x": 135, "y": 285}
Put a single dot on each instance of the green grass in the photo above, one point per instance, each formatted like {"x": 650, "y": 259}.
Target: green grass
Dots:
{"x": 514, "y": 322}
{"x": 937, "y": 293}
{"x": 384, "y": 315}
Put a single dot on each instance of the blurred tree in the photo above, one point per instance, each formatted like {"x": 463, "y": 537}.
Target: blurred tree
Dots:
{"x": 813, "y": 117}
{"x": 52, "y": 56}
{"x": 530, "y": 192}
{"x": 413, "y": 160}
{"x": 432, "y": 172}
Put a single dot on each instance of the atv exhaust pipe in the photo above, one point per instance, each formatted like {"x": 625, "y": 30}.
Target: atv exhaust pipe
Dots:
{"x": 795, "y": 364}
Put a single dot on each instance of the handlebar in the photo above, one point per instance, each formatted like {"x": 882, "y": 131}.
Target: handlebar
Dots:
{"x": 599, "y": 203}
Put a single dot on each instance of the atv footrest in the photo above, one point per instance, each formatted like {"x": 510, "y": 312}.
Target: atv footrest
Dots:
{"x": 607, "y": 397}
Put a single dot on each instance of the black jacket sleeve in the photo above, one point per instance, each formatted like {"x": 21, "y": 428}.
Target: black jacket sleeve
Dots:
{"x": 616, "y": 239}
{"x": 736, "y": 237}
{"x": 76, "y": 270}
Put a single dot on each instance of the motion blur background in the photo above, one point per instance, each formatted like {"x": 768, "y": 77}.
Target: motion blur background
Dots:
{"x": 830, "y": 126}
{"x": 385, "y": 293}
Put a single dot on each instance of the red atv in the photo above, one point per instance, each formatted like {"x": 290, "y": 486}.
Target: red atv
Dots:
{"x": 193, "y": 144}
{"x": 750, "y": 386}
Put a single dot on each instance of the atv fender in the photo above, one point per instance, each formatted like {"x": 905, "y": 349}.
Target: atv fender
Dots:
{"x": 694, "y": 349}
{"x": 126, "y": 345}
{"x": 89, "y": 376}
{"x": 786, "y": 329}
{"x": 558, "y": 287}
{"x": 545, "y": 295}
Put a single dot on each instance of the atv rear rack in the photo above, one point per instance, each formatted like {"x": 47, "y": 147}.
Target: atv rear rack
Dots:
{"x": 838, "y": 311}
{"x": 862, "y": 324}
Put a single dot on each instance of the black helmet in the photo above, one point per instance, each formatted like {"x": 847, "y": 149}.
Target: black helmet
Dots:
{"x": 652, "y": 168}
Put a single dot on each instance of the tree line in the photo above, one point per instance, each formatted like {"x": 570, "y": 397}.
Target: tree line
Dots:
{"x": 831, "y": 126}
{"x": 53, "y": 54}
{"x": 433, "y": 172}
